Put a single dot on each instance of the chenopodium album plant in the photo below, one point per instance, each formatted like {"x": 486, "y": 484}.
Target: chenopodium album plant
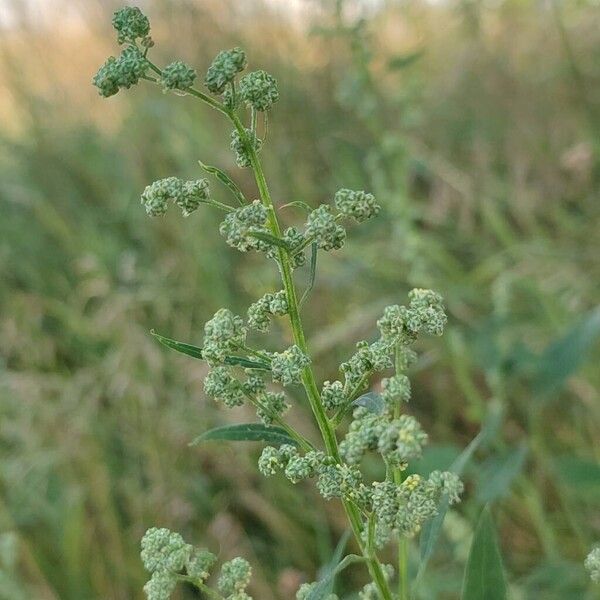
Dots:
{"x": 379, "y": 512}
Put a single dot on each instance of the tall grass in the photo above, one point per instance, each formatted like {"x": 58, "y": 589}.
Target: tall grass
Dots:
{"x": 477, "y": 131}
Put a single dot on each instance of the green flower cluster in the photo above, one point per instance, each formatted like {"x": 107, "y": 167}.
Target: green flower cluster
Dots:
{"x": 131, "y": 25}
{"x": 234, "y": 579}
{"x": 293, "y": 238}
{"x": 188, "y": 195}
{"x": 240, "y": 222}
{"x": 425, "y": 312}
{"x": 403, "y": 509}
{"x": 177, "y": 76}
{"x": 166, "y": 556}
{"x": 306, "y": 589}
{"x": 223, "y": 335}
{"x": 367, "y": 359}
{"x": 592, "y": 564}
{"x": 396, "y": 388}
{"x": 169, "y": 559}
{"x": 240, "y": 147}
{"x": 221, "y": 385}
{"x": 397, "y": 440}
{"x": 226, "y": 65}
{"x": 322, "y": 226}
{"x": 259, "y": 90}
{"x": 260, "y": 312}
{"x": 332, "y": 394}
{"x": 356, "y": 204}
{"x": 369, "y": 591}
{"x": 287, "y": 366}
{"x": 121, "y": 72}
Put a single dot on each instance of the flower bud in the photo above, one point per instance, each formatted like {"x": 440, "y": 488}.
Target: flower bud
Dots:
{"x": 226, "y": 65}
{"x": 259, "y": 90}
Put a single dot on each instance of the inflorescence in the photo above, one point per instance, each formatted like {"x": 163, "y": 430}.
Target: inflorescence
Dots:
{"x": 169, "y": 559}
{"x": 397, "y": 506}
{"x": 592, "y": 564}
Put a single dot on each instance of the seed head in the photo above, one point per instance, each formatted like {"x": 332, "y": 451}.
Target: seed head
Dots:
{"x": 305, "y": 590}
{"x": 160, "y": 586}
{"x": 223, "y": 335}
{"x": 226, "y": 65}
{"x": 188, "y": 195}
{"x": 259, "y": 90}
{"x": 131, "y": 24}
{"x": 287, "y": 366}
{"x": 177, "y": 76}
{"x": 321, "y": 225}
{"x": 221, "y": 385}
{"x": 235, "y": 576}
{"x": 237, "y": 225}
{"x": 164, "y": 550}
{"x": 332, "y": 394}
{"x": 592, "y": 564}
{"x": 395, "y": 389}
{"x": 356, "y": 204}
{"x": 240, "y": 147}
{"x": 121, "y": 72}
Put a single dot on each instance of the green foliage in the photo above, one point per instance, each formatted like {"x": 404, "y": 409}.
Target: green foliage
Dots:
{"x": 485, "y": 199}
{"x": 484, "y": 573}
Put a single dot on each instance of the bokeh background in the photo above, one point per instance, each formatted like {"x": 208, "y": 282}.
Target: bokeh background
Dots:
{"x": 477, "y": 125}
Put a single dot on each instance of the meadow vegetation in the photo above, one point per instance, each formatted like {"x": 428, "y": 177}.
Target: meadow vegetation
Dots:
{"x": 477, "y": 129}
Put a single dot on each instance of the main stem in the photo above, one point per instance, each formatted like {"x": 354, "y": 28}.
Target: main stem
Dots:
{"x": 308, "y": 378}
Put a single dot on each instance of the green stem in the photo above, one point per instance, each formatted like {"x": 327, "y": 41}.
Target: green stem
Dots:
{"x": 403, "y": 593}
{"x": 308, "y": 378}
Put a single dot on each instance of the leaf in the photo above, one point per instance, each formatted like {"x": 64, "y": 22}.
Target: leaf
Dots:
{"x": 271, "y": 239}
{"x": 313, "y": 272}
{"x": 578, "y": 473}
{"x": 497, "y": 475}
{"x": 227, "y": 181}
{"x": 563, "y": 357}
{"x": 247, "y": 432}
{"x": 432, "y": 528}
{"x": 333, "y": 563}
{"x": 323, "y": 587}
{"x": 372, "y": 401}
{"x": 299, "y": 203}
{"x": 196, "y": 352}
{"x": 401, "y": 61}
{"x": 484, "y": 573}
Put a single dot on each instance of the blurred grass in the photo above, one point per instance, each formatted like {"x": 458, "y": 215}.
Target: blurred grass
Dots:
{"x": 477, "y": 127}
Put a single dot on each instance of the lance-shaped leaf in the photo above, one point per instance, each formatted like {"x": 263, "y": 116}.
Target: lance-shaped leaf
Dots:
{"x": 196, "y": 352}
{"x": 323, "y": 588}
{"x": 247, "y": 432}
{"x": 484, "y": 573}
{"x": 225, "y": 180}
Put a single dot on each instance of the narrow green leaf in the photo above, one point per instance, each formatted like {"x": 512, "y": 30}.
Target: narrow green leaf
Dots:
{"x": 498, "y": 473}
{"x": 193, "y": 351}
{"x": 484, "y": 573}
{"x": 227, "y": 181}
{"x": 320, "y": 591}
{"x": 196, "y": 352}
{"x": 271, "y": 239}
{"x": 299, "y": 203}
{"x": 313, "y": 272}
{"x": 246, "y": 432}
{"x": 330, "y": 567}
{"x": 563, "y": 357}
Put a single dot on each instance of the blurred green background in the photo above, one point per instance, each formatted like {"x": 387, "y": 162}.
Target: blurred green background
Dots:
{"x": 476, "y": 123}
